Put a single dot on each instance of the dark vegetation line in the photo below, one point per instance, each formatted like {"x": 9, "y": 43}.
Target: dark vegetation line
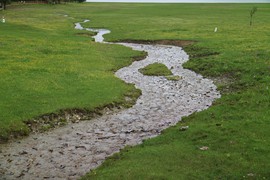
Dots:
{"x": 5, "y": 3}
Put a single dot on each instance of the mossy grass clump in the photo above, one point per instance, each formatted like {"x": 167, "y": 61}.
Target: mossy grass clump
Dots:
{"x": 156, "y": 69}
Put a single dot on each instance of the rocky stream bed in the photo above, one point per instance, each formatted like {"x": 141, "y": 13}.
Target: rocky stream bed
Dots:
{"x": 71, "y": 151}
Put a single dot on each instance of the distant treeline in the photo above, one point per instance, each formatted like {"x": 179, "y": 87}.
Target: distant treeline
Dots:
{"x": 3, "y": 3}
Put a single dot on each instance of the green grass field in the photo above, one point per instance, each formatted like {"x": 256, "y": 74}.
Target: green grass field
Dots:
{"x": 46, "y": 66}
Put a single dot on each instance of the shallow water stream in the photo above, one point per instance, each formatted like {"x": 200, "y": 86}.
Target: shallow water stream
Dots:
{"x": 71, "y": 151}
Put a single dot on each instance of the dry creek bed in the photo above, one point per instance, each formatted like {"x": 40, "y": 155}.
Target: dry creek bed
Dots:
{"x": 71, "y": 151}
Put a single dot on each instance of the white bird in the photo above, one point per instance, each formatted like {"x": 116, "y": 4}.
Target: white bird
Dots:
{"x": 215, "y": 29}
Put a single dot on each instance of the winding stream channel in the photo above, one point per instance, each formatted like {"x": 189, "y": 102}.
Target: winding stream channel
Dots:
{"x": 71, "y": 151}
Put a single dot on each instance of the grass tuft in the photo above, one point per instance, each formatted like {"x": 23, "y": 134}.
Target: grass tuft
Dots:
{"x": 155, "y": 69}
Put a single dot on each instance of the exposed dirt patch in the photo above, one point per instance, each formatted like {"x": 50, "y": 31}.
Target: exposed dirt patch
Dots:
{"x": 138, "y": 58}
{"x": 85, "y": 34}
{"x": 227, "y": 83}
{"x": 52, "y": 120}
{"x": 180, "y": 43}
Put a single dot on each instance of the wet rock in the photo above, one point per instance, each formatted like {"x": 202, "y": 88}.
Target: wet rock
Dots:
{"x": 100, "y": 157}
{"x": 2, "y": 171}
{"x": 37, "y": 164}
{"x": 65, "y": 145}
{"x": 23, "y": 153}
{"x": 81, "y": 147}
{"x": 107, "y": 136}
{"x": 122, "y": 136}
{"x": 98, "y": 131}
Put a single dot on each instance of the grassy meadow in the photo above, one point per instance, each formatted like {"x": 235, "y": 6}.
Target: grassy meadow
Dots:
{"x": 46, "y": 66}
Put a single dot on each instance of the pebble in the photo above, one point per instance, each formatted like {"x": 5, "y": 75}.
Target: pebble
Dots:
{"x": 204, "y": 148}
{"x": 183, "y": 128}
